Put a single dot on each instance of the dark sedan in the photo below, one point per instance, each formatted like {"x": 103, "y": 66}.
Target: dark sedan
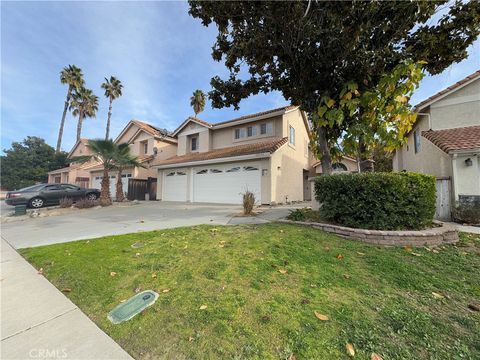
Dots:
{"x": 37, "y": 196}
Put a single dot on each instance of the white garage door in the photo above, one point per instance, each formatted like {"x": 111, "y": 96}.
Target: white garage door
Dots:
{"x": 175, "y": 185}
{"x": 97, "y": 183}
{"x": 226, "y": 183}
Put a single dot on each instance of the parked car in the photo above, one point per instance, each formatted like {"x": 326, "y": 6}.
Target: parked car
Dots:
{"x": 37, "y": 196}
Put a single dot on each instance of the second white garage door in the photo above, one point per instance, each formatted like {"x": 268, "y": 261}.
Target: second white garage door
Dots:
{"x": 225, "y": 184}
{"x": 175, "y": 185}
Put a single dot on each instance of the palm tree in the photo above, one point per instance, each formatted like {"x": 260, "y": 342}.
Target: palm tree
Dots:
{"x": 123, "y": 160}
{"x": 85, "y": 105}
{"x": 105, "y": 152}
{"x": 73, "y": 77}
{"x": 197, "y": 101}
{"x": 113, "y": 90}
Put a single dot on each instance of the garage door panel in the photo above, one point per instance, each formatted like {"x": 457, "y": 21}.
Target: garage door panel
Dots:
{"x": 175, "y": 185}
{"x": 225, "y": 184}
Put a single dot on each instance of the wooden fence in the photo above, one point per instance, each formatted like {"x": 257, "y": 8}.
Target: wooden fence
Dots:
{"x": 138, "y": 188}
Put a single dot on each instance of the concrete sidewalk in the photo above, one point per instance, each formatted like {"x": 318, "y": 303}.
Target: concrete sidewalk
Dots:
{"x": 39, "y": 322}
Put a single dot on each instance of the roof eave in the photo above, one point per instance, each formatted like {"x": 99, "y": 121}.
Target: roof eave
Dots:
{"x": 214, "y": 161}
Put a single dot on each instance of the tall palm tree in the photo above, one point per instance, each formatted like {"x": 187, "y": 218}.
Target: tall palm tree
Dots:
{"x": 123, "y": 159}
{"x": 84, "y": 105}
{"x": 197, "y": 101}
{"x": 113, "y": 90}
{"x": 73, "y": 77}
{"x": 105, "y": 152}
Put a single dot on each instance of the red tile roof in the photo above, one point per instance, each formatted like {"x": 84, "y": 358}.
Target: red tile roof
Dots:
{"x": 464, "y": 138}
{"x": 448, "y": 89}
{"x": 99, "y": 166}
{"x": 268, "y": 146}
{"x": 150, "y": 129}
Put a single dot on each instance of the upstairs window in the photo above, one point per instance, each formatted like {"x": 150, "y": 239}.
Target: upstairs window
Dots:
{"x": 144, "y": 147}
{"x": 292, "y": 135}
{"x": 416, "y": 140}
{"x": 237, "y": 133}
{"x": 339, "y": 167}
{"x": 252, "y": 131}
{"x": 266, "y": 128}
{"x": 194, "y": 143}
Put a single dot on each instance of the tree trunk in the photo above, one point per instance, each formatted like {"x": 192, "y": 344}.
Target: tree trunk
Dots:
{"x": 119, "y": 190}
{"x": 324, "y": 151}
{"x": 366, "y": 164}
{"x": 105, "y": 198}
{"x": 62, "y": 122}
{"x": 79, "y": 125}
{"x": 107, "y": 133}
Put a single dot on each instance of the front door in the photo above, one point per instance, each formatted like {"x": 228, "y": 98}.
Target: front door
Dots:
{"x": 307, "y": 192}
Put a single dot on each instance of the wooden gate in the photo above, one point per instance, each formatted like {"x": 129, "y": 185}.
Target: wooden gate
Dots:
{"x": 138, "y": 188}
{"x": 444, "y": 197}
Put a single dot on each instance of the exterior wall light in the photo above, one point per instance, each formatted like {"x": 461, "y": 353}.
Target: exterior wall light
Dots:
{"x": 468, "y": 162}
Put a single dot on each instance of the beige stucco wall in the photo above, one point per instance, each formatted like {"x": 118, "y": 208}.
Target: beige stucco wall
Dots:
{"x": 459, "y": 109}
{"x": 184, "y": 136}
{"x": 429, "y": 160}
{"x": 466, "y": 180}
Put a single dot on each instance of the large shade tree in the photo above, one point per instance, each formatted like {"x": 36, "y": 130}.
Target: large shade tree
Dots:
{"x": 73, "y": 77}
{"x": 113, "y": 90}
{"x": 311, "y": 55}
{"x": 84, "y": 104}
{"x": 197, "y": 101}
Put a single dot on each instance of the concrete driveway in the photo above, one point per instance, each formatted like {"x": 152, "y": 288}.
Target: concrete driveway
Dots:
{"x": 115, "y": 220}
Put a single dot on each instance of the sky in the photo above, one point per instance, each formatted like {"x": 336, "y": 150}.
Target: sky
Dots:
{"x": 156, "y": 49}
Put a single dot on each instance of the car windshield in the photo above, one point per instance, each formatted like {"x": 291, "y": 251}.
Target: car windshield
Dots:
{"x": 33, "y": 187}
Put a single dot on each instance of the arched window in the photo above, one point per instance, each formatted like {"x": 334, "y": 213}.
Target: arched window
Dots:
{"x": 339, "y": 167}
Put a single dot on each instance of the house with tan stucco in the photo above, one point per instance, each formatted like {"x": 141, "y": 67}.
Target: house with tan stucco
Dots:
{"x": 445, "y": 142}
{"x": 266, "y": 153}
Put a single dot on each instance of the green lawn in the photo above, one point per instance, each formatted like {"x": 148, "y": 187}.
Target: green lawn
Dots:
{"x": 378, "y": 299}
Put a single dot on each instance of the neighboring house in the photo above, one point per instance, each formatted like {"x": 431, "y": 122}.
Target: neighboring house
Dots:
{"x": 266, "y": 153}
{"x": 445, "y": 142}
{"x": 146, "y": 142}
{"x": 345, "y": 164}
{"x": 75, "y": 173}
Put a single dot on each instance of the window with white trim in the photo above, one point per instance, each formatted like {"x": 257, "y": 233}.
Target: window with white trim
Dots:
{"x": 181, "y": 173}
{"x": 215, "y": 171}
{"x": 194, "y": 143}
{"x": 171, "y": 173}
{"x": 416, "y": 141}
{"x": 292, "y": 135}
{"x": 203, "y": 171}
{"x": 234, "y": 169}
{"x": 250, "y": 168}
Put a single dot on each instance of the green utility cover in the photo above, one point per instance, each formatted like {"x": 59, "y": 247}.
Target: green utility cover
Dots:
{"x": 132, "y": 306}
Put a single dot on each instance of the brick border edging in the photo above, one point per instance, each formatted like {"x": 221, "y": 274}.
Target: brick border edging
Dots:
{"x": 445, "y": 234}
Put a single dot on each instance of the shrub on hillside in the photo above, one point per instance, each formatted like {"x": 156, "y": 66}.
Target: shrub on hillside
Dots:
{"x": 383, "y": 201}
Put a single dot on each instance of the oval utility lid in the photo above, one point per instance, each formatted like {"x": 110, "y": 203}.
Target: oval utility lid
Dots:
{"x": 133, "y": 306}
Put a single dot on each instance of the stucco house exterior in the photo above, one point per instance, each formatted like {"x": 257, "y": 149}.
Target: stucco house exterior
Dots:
{"x": 266, "y": 153}
{"x": 445, "y": 142}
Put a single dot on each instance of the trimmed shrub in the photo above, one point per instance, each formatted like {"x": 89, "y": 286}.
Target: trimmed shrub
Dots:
{"x": 467, "y": 214}
{"x": 86, "y": 203}
{"x": 382, "y": 201}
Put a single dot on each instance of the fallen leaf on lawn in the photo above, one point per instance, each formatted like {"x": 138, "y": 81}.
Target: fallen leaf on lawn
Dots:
{"x": 375, "y": 356}
{"x": 123, "y": 300}
{"x": 113, "y": 273}
{"x": 408, "y": 248}
{"x": 88, "y": 242}
{"x": 191, "y": 338}
{"x": 360, "y": 253}
{"x": 214, "y": 230}
{"x": 346, "y": 276}
{"x": 165, "y": 290}
{"x": 281, "y": 231}
{"x": 66, "y": 290}
{"x": 435, "y": 251}
{"x": 321, "y": 316}
{"x": 203, "y": 307}
{"x": 350, "y": 350}
{"x": 437, "y": 295}
{"x": 339, "y": 256}
{"x": 429, "y": 250}
{"x": 186, "y": 246}
{"x": 327, "y": 248}
{"x": 313, "y": 285}
{"x": 292, "y": 357}
{"x": 137, "y": 290}
{"x": 415, "y": 254}
{"x": 137, "y": 254}
{"x": 282, "y": 271}
{"x": 154, "y": 275}
{"x": 40, "y": 271}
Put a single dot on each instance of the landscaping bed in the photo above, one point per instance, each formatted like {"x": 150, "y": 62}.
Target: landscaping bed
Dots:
{"x": 251, "y": 292}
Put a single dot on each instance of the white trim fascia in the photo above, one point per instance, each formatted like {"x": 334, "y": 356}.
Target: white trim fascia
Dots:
{"x": 185, "y": 122}
{"x": 448, "y": 93}
{"x": 472, "y": 152}
{"x": 215, "y": 161}
{"x": 457, "y": 101}
{"x": 245, "y": 121}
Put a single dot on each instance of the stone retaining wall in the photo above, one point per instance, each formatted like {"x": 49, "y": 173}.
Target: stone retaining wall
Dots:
{"x": 435, "y": 236}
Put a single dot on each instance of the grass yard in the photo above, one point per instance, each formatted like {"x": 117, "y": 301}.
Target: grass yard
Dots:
{"x": 261, "y": 286}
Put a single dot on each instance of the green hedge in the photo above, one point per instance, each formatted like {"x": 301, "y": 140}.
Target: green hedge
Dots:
{"x": 383, "y": 201}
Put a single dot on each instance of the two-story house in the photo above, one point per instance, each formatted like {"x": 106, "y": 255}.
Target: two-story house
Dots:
{"x": 266, "y": 153}
{"x": 146, "y": 143}
{"x": 445, "y": 142}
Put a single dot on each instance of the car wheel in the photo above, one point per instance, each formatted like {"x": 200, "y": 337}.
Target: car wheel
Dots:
{"x": 92, "y": 196}
{"x": 36, "y": 203}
